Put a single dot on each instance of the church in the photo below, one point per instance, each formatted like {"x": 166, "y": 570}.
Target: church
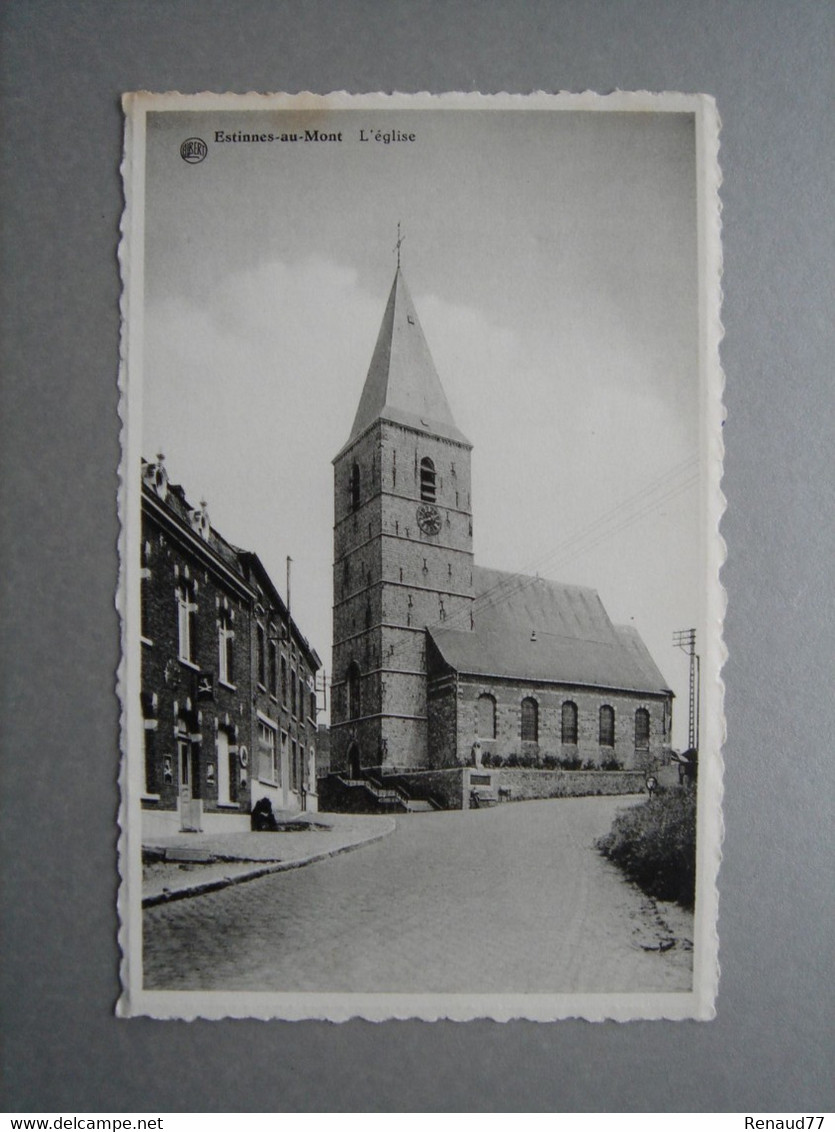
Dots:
{"x": 438, "y": 662}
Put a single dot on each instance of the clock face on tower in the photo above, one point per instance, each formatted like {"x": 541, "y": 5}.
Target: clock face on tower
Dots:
{"x": 429, "y": 519}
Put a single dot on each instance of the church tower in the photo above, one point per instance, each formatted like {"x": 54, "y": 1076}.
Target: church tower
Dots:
{"x": 402, "y": 548}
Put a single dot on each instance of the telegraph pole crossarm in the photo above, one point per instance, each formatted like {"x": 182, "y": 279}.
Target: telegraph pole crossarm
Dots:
{"x": 685, "y": 639}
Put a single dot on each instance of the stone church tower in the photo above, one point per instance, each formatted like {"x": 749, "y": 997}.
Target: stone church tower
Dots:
{"x": 402, "y": 548}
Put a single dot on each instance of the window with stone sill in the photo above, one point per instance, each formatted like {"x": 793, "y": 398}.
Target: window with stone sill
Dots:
{"x": 260, "y": 655}
{"x": 226, "y": 651}
{"x": 187, "y": 621}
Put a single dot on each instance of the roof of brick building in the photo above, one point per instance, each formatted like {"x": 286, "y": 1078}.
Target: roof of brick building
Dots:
{"x": 530, "y": 628}
{"x": 245, "y": 564}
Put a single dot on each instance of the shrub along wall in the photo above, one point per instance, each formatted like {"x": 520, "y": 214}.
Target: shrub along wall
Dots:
{"x": 655, "y": 845}
{"x": 526, "y": 784}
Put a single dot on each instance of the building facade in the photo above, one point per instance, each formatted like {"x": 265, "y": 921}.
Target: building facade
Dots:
{"x": 228, "y": 680}
{"x": 426, "y": 645}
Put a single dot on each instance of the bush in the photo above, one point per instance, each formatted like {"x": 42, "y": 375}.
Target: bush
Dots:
{"x": 589, "y": 764}
{"x": 550, "y": 762}
{"x": 570, "y": 763}
{"x": 655, "y": 845}
{"x": 611, "y": 764}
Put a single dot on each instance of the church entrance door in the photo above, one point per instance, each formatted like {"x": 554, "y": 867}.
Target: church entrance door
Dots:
{"x": 354, "y": 769}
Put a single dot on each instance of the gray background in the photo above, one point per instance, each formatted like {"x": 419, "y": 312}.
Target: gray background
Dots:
{"x": 769, "y": 65}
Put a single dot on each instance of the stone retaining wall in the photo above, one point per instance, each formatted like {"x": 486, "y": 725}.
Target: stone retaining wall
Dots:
{"x": 446, "y": 786}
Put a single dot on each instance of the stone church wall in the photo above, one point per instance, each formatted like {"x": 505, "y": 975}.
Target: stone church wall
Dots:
{"x": 508, "y": 696}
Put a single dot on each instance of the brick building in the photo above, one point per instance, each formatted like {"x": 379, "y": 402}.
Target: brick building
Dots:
{"x": 228, "y": 681}
{"x": 432, "y": 654}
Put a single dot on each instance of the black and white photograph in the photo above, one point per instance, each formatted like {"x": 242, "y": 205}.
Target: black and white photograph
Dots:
{"x": 421, "y": 614}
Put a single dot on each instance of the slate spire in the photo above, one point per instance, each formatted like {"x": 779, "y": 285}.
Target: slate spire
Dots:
{"x": 402, "y": 383}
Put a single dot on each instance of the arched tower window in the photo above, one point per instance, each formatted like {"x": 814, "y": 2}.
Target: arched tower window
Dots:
{"x": 607, "y": 726}
{"x": 569, "y": 723}
{"x": 530, "y": 721}
{"x": 642, "y": 729}
{"x": 352, "y": 686}
{"x": 354, "y": 489}
{"x": 486, "y": 717}
{"x": 427, "y": 480}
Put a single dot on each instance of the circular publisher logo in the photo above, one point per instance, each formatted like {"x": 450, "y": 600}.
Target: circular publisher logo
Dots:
{"x": 193, "y": 150}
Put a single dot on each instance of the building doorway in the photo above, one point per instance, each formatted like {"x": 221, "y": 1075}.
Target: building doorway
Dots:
{"x": 191, "y": 805}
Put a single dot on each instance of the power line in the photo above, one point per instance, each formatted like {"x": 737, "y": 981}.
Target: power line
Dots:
{"x": 661, "y": 489}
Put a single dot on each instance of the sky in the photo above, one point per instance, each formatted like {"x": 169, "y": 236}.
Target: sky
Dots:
{"x": 552, "y": 259}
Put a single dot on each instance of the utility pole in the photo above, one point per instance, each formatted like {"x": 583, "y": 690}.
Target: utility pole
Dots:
{"x": 685, "y": 639}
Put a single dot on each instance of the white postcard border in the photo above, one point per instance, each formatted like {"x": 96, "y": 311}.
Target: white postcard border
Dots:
{"x": 188, "y": 1005}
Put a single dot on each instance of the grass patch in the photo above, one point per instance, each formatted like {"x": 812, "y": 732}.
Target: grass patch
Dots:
{"x": 655, "y": 845}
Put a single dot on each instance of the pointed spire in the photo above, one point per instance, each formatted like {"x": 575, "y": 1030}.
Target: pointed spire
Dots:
{"x": 402, "y": 383}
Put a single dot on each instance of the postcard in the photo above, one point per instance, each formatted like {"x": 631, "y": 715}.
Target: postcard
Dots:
{"x": 420, "y": 501}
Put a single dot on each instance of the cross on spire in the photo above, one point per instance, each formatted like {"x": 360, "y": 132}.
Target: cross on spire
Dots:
{"x": 397, "y": 246}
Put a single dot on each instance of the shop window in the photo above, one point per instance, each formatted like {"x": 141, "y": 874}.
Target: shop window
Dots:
{"x": 226, "y": 769}
{"x": 267, "y": 762}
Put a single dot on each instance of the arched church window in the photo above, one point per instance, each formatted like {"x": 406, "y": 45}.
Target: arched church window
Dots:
{"x": 530, "y": 721}
{"x": 427, "y": 480}
{"x": 642, "y": 728}
{"x": 486, "y": 717}
{"x": 607, "y": 726}
{"x": 352, "y": 685}
{"x": 569, "y": 723}
{"x": 355, "y": 487}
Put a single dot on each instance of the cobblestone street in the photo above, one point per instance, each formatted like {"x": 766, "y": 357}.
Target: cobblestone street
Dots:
{"x": 510, "y": 899}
